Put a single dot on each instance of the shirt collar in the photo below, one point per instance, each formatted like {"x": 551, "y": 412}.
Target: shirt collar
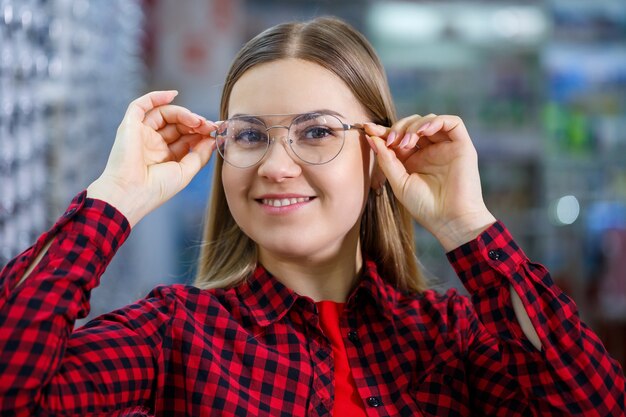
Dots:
{"x": 269, "y": 300}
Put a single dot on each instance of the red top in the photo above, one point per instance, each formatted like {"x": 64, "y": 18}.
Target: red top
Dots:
{"x": 259, "y": 348}
{"x": 347, "y": 399}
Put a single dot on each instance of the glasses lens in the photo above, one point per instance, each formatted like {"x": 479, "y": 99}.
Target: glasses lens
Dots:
{"x": 242, "y": 142}
{"x": 317, "y": 138}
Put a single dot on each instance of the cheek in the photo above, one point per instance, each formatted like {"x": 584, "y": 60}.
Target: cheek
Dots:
{"x": 351, "y": 179}
{"x": 235, "y": 183}
{"x": 228, "y": 184}
{"x": 363, "y": 164}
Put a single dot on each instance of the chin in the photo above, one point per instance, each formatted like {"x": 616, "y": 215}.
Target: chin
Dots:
{"x": 289, "y": 250}
{"x": 303, "y": 243}
{"x": 299, "y": 248}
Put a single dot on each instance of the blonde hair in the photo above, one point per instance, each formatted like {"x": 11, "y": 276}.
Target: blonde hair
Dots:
{"x": 227, "y": 255}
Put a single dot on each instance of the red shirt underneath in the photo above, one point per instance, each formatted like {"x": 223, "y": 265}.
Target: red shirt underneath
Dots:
{"x": 347, "y": 399}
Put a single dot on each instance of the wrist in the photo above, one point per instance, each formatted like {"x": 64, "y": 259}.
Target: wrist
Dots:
{"x": 461, "y": 230}
{"x": 126, "y": 203}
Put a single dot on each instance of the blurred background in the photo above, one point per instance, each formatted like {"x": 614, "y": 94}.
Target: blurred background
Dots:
{"x": 541, "y": 86}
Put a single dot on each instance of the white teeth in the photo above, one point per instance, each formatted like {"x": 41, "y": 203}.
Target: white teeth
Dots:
{"x": 284, "y": 201}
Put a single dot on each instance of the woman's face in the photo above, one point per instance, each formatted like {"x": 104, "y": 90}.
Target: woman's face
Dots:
{"x": 320, "y": 205}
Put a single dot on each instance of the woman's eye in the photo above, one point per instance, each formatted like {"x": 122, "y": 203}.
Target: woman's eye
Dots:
{"x": 250, "y": 136}
{"x": 318, "y": 132}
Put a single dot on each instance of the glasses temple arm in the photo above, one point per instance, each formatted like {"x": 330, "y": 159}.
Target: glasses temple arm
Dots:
{"x": 357, "y": 126}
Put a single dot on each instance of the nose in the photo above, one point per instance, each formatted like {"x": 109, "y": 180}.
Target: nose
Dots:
{"x": 278, "y": 164}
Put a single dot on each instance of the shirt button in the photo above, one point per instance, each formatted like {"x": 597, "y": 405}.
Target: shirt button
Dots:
{"x": 495, "y": 254}
{"x": 374, "y": 402}
{"x": 70, "y": 212}
{"x": 353, "y": 336}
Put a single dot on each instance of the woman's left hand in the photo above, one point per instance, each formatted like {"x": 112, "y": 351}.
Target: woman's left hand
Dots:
{"x": 432, "y": 167}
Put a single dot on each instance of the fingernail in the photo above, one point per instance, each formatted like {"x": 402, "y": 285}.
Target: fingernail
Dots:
{"x": 405, "y": 140}
{"x": 371, "y": 142}
{"x": 423, "y": 128}
{"x": 391, "y": 137}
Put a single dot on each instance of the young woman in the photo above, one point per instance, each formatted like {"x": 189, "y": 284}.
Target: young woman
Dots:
{"x": 308, "y": 299}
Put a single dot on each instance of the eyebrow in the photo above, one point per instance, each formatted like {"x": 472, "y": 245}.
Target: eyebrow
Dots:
{"x": 260, "y": 116}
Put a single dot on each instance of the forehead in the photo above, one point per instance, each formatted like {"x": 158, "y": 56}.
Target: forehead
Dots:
{"x": 317, "y": 116}
{"x": 292, "y": 86}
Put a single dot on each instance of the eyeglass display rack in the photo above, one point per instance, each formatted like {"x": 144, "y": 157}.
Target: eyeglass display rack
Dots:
{"x": 23, "y": 170}
{"x": 68, "y": 69}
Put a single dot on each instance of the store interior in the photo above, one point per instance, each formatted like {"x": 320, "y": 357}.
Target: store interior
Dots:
{"x": 541, "y": 86}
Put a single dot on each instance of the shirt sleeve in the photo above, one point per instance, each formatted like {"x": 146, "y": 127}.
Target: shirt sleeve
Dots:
{"x": 45, "y": 368}
{"x": 572, "y": 374}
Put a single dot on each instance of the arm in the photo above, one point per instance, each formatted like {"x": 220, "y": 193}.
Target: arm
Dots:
{"x": 110, "y": 364}
{"x": 560, "y": 364}
{"x": 572, "y": 373}
{"x": 45, "y": 366}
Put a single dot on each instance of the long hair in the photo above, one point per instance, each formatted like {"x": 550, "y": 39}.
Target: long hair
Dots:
{"x": 227, "y": 255}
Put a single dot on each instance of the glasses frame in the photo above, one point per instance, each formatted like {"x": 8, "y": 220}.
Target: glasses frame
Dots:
{"x": 270, "y": 139}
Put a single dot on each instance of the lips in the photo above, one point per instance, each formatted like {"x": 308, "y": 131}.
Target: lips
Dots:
{"x": 283, "y": 202}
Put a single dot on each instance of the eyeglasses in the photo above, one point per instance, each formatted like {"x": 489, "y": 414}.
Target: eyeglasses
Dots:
{"x": 315, "y": 138}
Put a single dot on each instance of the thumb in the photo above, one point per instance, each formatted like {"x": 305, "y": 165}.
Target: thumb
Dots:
{"x": 392, "y": 167}
{"x": 196, "y": 159}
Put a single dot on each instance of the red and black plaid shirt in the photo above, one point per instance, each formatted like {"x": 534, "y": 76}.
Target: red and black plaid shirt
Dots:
{"x": 259, "y": 350}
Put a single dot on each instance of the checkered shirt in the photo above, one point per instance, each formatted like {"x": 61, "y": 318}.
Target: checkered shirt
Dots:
{"x": 258, "y": 349}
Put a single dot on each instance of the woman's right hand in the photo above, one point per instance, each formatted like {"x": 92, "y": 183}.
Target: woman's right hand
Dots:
{"x": 158, "y": 149}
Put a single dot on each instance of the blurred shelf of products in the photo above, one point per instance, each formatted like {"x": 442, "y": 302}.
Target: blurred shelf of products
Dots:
{"x": 541, "y": 86}
{"x": 542, "y": 89}
{"x": 68, "y": 68}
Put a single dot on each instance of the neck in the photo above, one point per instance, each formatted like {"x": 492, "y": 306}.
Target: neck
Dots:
{"x": 324, "y": 277}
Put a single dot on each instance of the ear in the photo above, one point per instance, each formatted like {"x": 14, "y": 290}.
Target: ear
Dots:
{"x": 378, "y": 178}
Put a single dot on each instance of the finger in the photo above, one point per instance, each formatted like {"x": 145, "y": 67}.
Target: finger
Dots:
{"x": 416, "y": 125}
{"x": 452, "y": 128}
{"x": 373, "y": 129}
{"x": 394, "y": 170}
{"x": 183, "y": 145}
{"x": 401, "y": 125}
{"x": 400, "y": 128}
{"x": 423, "y": 142}
{"x": 407, "y": 137}
{"x": 404, "y": 153}
{"x": 172, "y": 132}
{"x": 138, "y": 108}
{"x": 196, "y": 159}
{"x": 409, "y": 141}
{"x": 161, "y": 116}
{"x": 206, "y": 127}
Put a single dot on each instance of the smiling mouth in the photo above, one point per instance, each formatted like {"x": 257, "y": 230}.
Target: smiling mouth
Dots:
{"x": 283, "y": 202}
